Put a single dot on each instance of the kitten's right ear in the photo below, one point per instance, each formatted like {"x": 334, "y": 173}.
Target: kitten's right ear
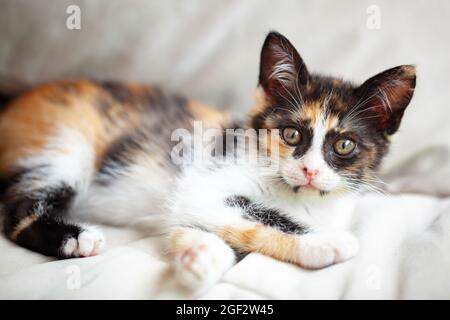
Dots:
{"x": 387, "y": 95}
{"x": 281, "y": 66}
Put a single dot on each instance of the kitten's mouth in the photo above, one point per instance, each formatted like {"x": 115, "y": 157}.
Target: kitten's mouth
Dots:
{"x": 305, "y": 187}
{"x": 309, "y": 187}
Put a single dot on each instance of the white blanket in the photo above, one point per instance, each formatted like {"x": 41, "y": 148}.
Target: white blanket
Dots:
{"x": 405, "y": 253}
{"x": 210, "y": 51}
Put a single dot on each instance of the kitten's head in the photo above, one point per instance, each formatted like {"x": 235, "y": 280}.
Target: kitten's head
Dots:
{"x": 332, "y": 133}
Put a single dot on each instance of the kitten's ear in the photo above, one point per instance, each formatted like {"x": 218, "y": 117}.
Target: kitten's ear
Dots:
{"x": 281, "y": 66}
{"x": 387, "y": 95}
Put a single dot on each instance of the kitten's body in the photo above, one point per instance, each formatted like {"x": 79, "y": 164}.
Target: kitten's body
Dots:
{"x": 83, "y": 150}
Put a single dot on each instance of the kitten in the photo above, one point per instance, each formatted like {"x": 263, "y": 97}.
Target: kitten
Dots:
{"x": 83, "y": 150}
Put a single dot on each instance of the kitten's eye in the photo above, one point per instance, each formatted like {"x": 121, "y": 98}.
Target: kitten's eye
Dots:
{"x": 291, "y": 135}
{"x": 344, "y": 147}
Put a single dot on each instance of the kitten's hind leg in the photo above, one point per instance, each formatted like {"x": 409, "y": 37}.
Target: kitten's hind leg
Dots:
{"x": 200, "y": 258}
{"x": 37, "y": 221}
{"x": 41, "y": 191}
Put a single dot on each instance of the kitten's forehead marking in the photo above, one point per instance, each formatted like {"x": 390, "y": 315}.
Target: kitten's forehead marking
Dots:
{"x": 313, "y": 112}
{"x": 319, "y": 122}
{"x": 317, "y": 115}
{"x": 331, "y": 122}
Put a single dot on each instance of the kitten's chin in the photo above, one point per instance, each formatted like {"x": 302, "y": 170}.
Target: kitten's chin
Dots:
{"x": 307, "y": 189}
{"x": 292, "y": 188}
{"x": 310, "y": 190}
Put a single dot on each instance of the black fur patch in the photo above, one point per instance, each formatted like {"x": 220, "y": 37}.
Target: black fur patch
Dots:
{"x": 306, "y": 140}
{"x": 268, "y": 216}
{"x": 121, "y": 151}
{"x": 117, "y": 90}
{"x": 5, "y": 99}
{"x": 47, "y": 235}
{"x": 55, "y": 200}
{"x": 120, "y": 155}
{"x": 157, "y": 114}
{"x": 49, "y": 231}
{"x": 20, "y": 173}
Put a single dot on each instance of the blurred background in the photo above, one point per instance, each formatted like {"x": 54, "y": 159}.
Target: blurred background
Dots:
{"x": 209, "y": 50}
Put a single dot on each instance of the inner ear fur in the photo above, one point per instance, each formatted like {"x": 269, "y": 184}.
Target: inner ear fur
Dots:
{"x": 387, "y": 94}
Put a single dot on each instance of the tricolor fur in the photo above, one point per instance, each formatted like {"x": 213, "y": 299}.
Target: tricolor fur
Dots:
{"x": 88, "y": 151}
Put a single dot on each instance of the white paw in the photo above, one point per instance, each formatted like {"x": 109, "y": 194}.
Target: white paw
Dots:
{"x": 89, "y": 243}
{"x": 204, "y": 263}
{"x": 319, "y": 250}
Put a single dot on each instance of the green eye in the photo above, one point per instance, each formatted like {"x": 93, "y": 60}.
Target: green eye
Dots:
{"x": 291, "y": 135}
{"x": 344, "y": 147}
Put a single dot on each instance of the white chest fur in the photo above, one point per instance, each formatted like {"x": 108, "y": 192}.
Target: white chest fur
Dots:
{"x": 201, "y": 193}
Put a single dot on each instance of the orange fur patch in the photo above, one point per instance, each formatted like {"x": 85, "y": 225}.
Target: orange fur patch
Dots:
{"x": 260, "y": 102}
{"x": 262, "y": 239}
{"x": 332, "y": 122}
{"x": 212, "y": 117}
{"x": 312, "y": 112}
{"x": 22, "y": 225}
{"x": 175, "y": 244}
{"x": 28, "y": 123}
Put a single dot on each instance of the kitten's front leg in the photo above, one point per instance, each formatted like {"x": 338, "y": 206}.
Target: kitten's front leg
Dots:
{"x": 199, "y": 258}
{"x": 318, "y": 250}
{"x": 312, "y": 250}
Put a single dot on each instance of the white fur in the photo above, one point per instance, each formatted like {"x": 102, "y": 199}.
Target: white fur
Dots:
{"x": 318, "y": 250}
{"x": 89, "y": 242}
{"x": 200, "y": 194}
{"x": 137, "y": 196}
{"x": 284, "y": 70}
{"x": 199, "y": 200}
{"x": 67, "y": 157}
{"x": 201, "y": 265}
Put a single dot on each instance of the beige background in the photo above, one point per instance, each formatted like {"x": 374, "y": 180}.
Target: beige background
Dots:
{"x": 209, "y": 50}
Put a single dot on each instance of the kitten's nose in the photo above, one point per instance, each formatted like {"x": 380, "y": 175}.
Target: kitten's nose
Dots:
{"x": 310, "y": 174}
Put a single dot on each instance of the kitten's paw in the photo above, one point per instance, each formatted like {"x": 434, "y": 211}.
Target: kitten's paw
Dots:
{"x": 319, "y": 250}
{"x": 204, "y": 263}
{"x": 88, "y": 243}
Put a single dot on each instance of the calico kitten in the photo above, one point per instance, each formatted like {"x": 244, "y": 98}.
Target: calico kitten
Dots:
{"x": 83, "y": 150}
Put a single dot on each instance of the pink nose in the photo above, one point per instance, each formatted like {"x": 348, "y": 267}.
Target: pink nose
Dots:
{"x": 310, "y": 174}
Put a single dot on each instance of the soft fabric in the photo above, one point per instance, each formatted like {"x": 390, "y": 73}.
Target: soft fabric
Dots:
{"x": 405, "y": 254}
{"x": 209, "y": 50}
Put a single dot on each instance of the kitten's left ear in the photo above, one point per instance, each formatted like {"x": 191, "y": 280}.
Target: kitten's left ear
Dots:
{"x": 281, "y": 67}
{"x": 387, "y": 95}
